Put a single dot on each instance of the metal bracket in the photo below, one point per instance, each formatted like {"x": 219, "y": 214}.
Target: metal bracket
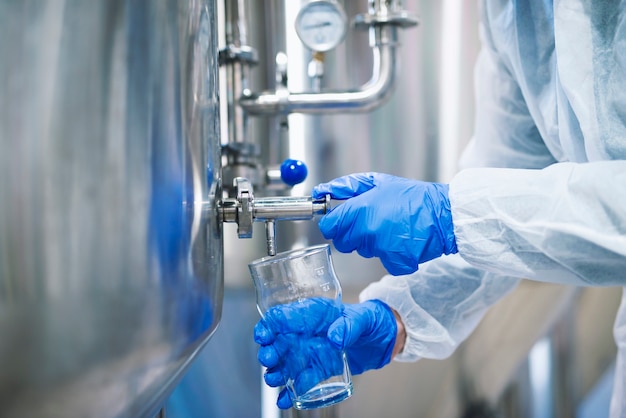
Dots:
{"x": 232, "y": 53}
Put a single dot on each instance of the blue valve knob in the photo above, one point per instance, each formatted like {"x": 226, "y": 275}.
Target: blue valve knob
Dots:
{"x": 293, "y": 172}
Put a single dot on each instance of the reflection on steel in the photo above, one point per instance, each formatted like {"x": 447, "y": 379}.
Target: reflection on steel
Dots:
{"x": 110, "y": 250}
{"x": 289, "y": 208}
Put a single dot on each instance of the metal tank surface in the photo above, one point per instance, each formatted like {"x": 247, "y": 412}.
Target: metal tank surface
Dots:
{"x": 111, "y": 254}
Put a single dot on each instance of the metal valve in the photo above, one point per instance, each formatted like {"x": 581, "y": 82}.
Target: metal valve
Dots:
{"x": 246, "y": 209}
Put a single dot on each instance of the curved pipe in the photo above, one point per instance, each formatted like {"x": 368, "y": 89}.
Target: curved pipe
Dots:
{"x": 369, "y": 96}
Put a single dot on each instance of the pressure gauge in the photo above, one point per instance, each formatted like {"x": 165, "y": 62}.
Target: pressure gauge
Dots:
{"x": 321, "y": 25}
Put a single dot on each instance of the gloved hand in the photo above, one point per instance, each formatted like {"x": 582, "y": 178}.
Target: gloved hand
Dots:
{"x": 302, "y": 341}
{"x": 403, "y": 222}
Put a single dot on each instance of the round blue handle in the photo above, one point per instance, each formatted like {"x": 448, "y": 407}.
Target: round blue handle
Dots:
{"x": 293, "y": 172}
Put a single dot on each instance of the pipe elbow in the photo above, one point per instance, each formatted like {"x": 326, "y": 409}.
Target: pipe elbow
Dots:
{"x": 368, "y": 97}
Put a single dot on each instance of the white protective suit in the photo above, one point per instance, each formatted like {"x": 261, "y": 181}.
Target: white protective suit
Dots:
{"x": 545, "y": 198}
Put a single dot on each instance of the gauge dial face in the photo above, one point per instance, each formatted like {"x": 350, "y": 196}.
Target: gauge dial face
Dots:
{"x": 321, "y": 25}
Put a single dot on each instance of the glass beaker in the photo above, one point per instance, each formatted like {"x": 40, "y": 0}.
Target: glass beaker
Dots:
{"x": 304, "y": 279}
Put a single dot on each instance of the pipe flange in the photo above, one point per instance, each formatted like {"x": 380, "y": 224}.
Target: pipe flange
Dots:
{"x": 245, "y": 215}
{"x": 234, "y": 53}
{"x": 402, "y": 19}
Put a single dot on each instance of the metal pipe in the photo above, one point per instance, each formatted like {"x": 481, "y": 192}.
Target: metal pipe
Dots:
{"x": 237, "y": 58}
{"x": 282, "y": 208}
{"x": 270, "y": 236}
{"x": 369, "y": 96}
{"x": 264, "y": 209}
{"x": 236, "y": 22}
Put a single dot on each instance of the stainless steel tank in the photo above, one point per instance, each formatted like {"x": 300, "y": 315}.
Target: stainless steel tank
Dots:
{"x": 111, "y": 257}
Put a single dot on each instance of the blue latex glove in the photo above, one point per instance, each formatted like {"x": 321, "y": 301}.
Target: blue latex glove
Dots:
{"x": 303, "y": 341}
{"x": 403, "y": 222}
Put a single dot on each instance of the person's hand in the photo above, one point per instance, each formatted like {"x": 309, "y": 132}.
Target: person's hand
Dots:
{"x": 302, "y": 341}
{"x": 295, "y": 346}
{"x": 403, "y": 222}
{"x": 367, "y": 332}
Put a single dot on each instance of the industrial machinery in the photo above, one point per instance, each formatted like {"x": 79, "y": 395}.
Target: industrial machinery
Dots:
{"x": 111, "y": 256}
{"x": 321, "y": 26}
